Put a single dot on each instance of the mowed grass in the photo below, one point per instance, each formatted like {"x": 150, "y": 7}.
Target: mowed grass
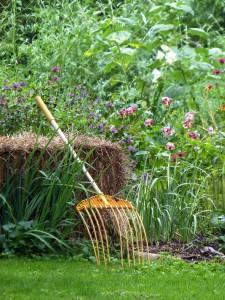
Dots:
{"x": 72, "y": 279}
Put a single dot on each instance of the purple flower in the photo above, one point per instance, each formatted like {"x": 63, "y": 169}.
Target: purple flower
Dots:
{"x": 5, "y": 80}
{"x": 147, "y": 175}
{"x": 70, "y": 95}
{"x": 22, "y": 83}
{"x": 122, "y": 142}
{"x": 109, "y": 104}
{"x": 101, "y": 126}
{"x": 148, "y": 122}
{"x": 15, "y": 85}
{"x": 170, "y": 146}
{"x": 113, "y": 129}
{"x": 129, "y": 140}
{"x": 55, "y": 69}
{"x": 132, "y": 149}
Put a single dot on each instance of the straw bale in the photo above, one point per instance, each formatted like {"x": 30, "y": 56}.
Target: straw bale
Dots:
{"x": 107, "y": 159}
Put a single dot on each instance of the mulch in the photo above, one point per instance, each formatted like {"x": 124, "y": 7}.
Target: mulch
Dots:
{"x": 194, "y": 252}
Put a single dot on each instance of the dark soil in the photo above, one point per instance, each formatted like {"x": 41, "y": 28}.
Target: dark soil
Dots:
{"x": 197, "y": 251}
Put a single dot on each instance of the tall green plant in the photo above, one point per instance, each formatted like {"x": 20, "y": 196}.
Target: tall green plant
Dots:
{"x": 173, "y": 203}
{"x": 37, "y": 205}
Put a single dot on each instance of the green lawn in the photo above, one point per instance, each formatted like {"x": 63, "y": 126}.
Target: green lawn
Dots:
{"x": 70, "y": 279}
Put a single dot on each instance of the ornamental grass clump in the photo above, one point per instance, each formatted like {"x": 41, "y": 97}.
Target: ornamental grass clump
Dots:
{"x": 175, "y": 204}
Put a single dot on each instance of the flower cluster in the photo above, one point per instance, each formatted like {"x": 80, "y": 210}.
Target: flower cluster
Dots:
{"x": 189, "y": 117}
{"x": 167, "y": 101}
{"x": 127, "y": 111}
{"x": 167, "y": 130}
{"x": 55, "y": 69}
{"x": 193, "y": 135}
{"x": 148, "y": 122}
{"x": 177, "y": 155}
{"x": 169, "y": 55}
{"x": 170, "y": 146}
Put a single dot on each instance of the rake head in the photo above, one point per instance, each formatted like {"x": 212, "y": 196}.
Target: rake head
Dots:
{"x": 102, "y": 215}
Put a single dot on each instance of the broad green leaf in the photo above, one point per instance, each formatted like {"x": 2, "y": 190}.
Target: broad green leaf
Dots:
{"x": 175, "y": 91}
{"x": 202, "y": 66}
{"x": 119, "y": 37}
{"x": 215, "y": 51}
{"x": 158, "y": 28}
{"x": 185, "y": 8}
{"x": 128, "y": 51}
{"x": 197, "y": 31}
{"x": 187, "y": 52}
{"x": 155, "y": 8}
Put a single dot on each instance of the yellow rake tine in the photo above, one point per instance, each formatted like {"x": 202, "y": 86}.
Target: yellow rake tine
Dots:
{"x": 106, "y": 237}
{"x": 95, "y": 234}
{"x": 135, "y": 229}
{"x": 121, "y": 242}
{"x": 89, "y": 233}
{"x": 127, "y": 242}
{"x": 103, "y": 248}
{"x": 145, "y": 236}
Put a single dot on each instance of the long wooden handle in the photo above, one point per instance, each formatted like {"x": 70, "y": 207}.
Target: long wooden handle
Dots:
{"x": 53, "y": 123}
{"x": 44, "y": 108}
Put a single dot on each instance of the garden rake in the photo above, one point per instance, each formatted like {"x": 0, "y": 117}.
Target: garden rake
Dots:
{"x": 101, "y": 213}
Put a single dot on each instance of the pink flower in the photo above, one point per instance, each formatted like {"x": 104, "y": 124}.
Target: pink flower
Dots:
{"x": 170, "y": 146}
{"x": 193, "y": 135}
{"x": 174, "y": 157}
{"x": 131, "y": 110}
{"x": 181, "y": 154}
{"x": 216, "y": 71}
{"x": 188, "y": 119}
{"x": 127, "y": 111}
{"x": 123, "y": 112}
{"x": 189, "y": 116}
{"x": 148, "y": 122}
{"x": 187, "y": 123}
{"x": 210, "y": 130}
{"x": 167, "y": 101}
{"x": 167, "y": 130}
{"x": 221, "y": 60}
{"x": 55, "y": 69}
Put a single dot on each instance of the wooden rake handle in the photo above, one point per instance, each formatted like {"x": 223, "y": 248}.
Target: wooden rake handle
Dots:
{"x": 55, "y": 126}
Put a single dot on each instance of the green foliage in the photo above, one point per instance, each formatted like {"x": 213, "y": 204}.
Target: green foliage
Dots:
{"x": 173, "y": 203}
{"x": 114, "y": 64}
{"x": 218, "y": 221}
{"x": 37, "y": 205}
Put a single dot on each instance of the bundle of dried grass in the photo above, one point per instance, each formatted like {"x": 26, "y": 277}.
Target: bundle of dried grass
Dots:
{"x": 107, "y": 159}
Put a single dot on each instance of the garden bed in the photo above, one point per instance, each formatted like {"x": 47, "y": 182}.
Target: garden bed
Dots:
{"x": 189, "y": 252}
